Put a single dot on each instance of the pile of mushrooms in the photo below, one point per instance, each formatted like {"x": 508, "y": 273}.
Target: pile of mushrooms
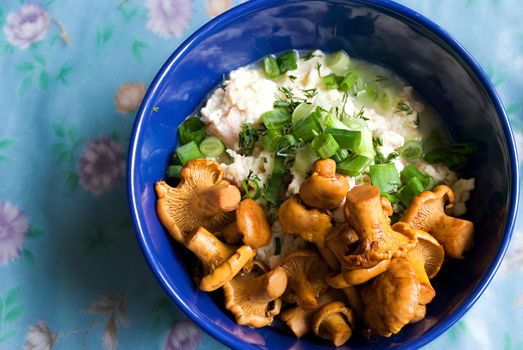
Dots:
{"x": 361, "y": 274}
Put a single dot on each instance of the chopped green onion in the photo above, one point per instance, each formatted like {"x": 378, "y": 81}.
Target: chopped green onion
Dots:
{"x": 248, "y": 137}
{"x": 251, "y": 188}
{"x": 410, "y": 171}
{"x": 330, "y": 81}
{"x": 341, "y": 155}
{"x": 387, "y": 98}
{"x": 174, "y": 171}
{"x": 307, "y": 128}
{"x": 276, "y": 119}
{"x": 288, "y": 61}
{"x": 354, "y": 165}
{"x": 329, "y": 120}
{"x": 325, "y": 145}
{"x": 365, "y": 147}
{"x": 271, "y": 139}
{"x": 415, "y": 186}
{"x": 304, "y": 160}
{"x": 347, "y": 139}
{"x": 212, "y": 147}
{"x": 274, "y": 189}
{"x": 385, "y": 177}
{"x": 348, "y": 82}
{"x": 367, "y": 95}
{"x": 286, "y": 142}
{"x": 188, "y": 152}
{"x": 411, "y": 150}
{"x": 301, "y": 111}
{"x": 338, "y": 62}
{"x": 192, "y": 129}
{"x": 270, "y": 67}
{"x": 392, "y": 199}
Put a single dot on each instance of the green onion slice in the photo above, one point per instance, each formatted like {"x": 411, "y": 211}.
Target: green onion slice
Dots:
{"x": 348, "y": 82}
{"x": 212, "y": 147}
{"x": 188, "y": 152}
{"x": 307, "y": 128}
{"x": 392, "y": 199}
{"x": 302, "y": 111}
{"x": 354, "y": 165}
{"x": 330, "y": 81}
{"x": 341, "y": 155}
{"x": 288, "y": 61}
{"x": 276, "y": 119}
{"x": 325, "y": 145}
{"x": 271, "y": 139}
{"x": 251, "y": 188}
{"x": 347, "y": 139}
{"x": 338, "y": 62}
{"x": 270, "y": 67}
{"x": 192, "y": 129}
{"x": 385, "y": 177}
{"x": 174, "y": 171}
{"x": 304, "y": 160}
{"x": 411, "y": 150}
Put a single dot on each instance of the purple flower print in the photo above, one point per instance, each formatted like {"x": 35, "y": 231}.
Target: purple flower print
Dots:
{"x": 101, "y": 165}
{"x": 169, "y": 18}
{"x": 183, "y": 336}
{"x": 13, "y": 228}
{"x": 27, "y": 25}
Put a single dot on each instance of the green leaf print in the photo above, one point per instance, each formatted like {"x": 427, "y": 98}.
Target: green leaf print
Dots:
{"x": 6, "y": 48}
{"x": 137, "y": 48}
{"x": 457, "y": 331}
{"x": 25, "y": 85}
{"x": 10, "y": 311}
{"x": 128, "y": 15}
{"x": 63, "y": 74}
{"x": 73, "y": 180}
{"x": 164, "y": 312}
{"x": 2, "y": 16}
{"x": 39, "y": 59}
{"x": 43, "y": 80}
{"x": 104, "y": 35}
{"x": 99, "y": 241}
{"x": 66, "y": 149}
{"x": 28, "y": 256}
{"x": 4, "y": 143}
{"x": 494, "y": 76}
{"x": 25, "y": 67}
{"x": 34, "y": 233}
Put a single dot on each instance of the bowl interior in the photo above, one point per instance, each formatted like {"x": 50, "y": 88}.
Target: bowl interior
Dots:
{"x": 389, "y": 35}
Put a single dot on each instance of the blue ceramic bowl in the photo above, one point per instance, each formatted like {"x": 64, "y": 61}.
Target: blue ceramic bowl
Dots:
{"x": 382, "y": 32}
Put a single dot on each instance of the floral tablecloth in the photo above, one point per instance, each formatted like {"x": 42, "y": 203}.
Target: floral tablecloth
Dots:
{"x": 72, "y": 75}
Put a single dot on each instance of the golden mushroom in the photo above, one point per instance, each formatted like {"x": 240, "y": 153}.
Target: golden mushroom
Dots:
{"x": 221, "y": 262}
{"x": 299, "y": 320}
{"x": 253, "y": 297}
{"x": 337, "y": 242}
{"x": 202, "y": 198}
{"x": 251, "y": 226}
{"x": 426, "y": 259}
{"x": 334, "y": 322}
{"x": 324, "y": 189}
{"x": 427, "y": 213}
{"x": 390, "y": 301}
{"x": 348, "y": 278}
{"x": 310, "y": 224}
{"x": 377, "y": 240}
{"x": 306, "y": 272}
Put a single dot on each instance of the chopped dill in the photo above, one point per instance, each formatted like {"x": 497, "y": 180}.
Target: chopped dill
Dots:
{"x": 377, "y": 142}
{"x": 380, "y": 78}
{"x": 417, "y": 119}
{"x": 156, "y": 109}
{"x": 310, "y": 93}
{"x": 318, "y": 67}
{"x": 360, "y": 114}
{"x": 403, "y": 107}
{"x": 289, "y": 100}
{"x": 292, "y": 78}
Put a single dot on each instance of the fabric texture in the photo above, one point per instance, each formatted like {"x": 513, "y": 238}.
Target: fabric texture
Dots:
{"x": 73, "y": 75}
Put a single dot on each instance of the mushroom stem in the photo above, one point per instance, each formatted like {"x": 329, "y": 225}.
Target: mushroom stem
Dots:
{"x": 219, "y": 198}
{"x": 269, "y": 286}
{"x": 305, "y": 292}
{"x": 355, "y": 277}
{"x": 209, "y": 249}
{"x": 231, "y": 234}
{"x": 337, "y": 329}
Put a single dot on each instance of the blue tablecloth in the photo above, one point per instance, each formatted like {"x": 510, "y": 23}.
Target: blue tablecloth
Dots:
{"x": 73, "y": 73}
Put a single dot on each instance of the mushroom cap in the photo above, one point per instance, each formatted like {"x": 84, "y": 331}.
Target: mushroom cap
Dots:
{"x": 310, "y": 224}
{"x": 253, "y": 224}
{"x": 299, "y": 320}
{"x": 428, "y": 249}
{"x": 391, "y": 299}
{"x": 221, "y": 262}
{"x": 324, "y": 189}
{"x": 347, "y": 278}
{"x": 427, "y": 212}
{"x": 377, "y": 240}
{"x": 421, "y": 311}
{"x": 253, "y": 297}
{"x": 334, "y": 321}
{"x": 202, "y": 198}
{"x": 306, "y": 272}
{"x": 340, "y": 240}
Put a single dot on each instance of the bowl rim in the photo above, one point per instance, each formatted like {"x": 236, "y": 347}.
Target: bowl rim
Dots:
{"x": 387, "y": 5}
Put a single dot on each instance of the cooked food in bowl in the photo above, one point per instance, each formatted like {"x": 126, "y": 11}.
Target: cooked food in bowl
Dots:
{"x": 321, "y": 190}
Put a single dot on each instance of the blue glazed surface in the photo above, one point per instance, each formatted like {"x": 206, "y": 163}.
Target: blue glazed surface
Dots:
{"x": 378, "y": 31}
